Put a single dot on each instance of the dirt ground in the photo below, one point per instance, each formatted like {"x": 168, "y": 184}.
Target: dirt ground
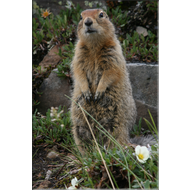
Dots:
{"x": 41, "y": 163}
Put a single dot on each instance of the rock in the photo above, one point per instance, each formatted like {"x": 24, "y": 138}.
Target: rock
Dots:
{"x": 144, "y": 81}
{"x": 56, "y": 6}
{"x": 51, "y": 59}
{"x": 53, "y": 91}
{"x": 48, "y": 175}
{"x": 141, "y": 30}
{"x": 52, "y": 155}
{"x": 142, "y": 111}
{"x": 55, "y": 148}
{"x": 44, "y": 184}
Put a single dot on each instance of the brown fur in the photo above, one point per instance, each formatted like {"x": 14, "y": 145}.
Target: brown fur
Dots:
{"x": 100, "y": 73}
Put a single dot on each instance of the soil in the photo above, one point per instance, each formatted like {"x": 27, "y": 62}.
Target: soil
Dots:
{"x": 41, "y": 164}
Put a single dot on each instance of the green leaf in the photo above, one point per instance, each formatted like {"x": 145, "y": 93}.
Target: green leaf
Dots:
{"x": 152, "y": 121}
{"x": 147, "y": 184}
{"x": 134, "y": 48}
{"x": 136, "y": 186}
{"x": 60, "y": 53}
{"x": 122, "y": 25}
{"x": 142, "y": 37}
{"x": 34, "y": 34}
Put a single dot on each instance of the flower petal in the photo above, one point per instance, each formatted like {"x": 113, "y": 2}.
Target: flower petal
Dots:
{"x": 146, "y": 156}
{"x": 145, "y": 152}
{"x": 144, "y": 148}
{"x": 137, "y": 149}
{"x": 71, "y": 187}
{"x": 74, "y": 181}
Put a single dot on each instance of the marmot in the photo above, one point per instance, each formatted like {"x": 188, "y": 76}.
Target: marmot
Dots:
{"x": 101, "y": 82}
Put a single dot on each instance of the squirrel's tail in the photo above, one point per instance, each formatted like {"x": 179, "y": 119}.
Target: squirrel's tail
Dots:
{"x": 144, "y": 140}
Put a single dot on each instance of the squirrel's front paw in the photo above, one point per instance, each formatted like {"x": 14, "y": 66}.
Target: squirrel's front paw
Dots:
{"x": 87, "y": 95}
{"x": 98, "y": 95}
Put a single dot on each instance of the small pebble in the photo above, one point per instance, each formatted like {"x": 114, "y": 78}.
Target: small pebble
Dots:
{"x": 52, "y": 155}
{"x": 48, "y": 174}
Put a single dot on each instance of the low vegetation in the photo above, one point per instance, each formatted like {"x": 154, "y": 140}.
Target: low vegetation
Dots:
{"x": 49, "y": 30}
{"x": 125, "y": 166}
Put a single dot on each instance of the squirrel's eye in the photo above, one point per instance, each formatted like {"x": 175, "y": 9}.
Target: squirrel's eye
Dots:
{"x": 101, "y": 15}
{"x": 80, "y": 17}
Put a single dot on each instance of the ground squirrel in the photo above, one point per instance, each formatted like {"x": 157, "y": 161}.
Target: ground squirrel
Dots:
{"x": 101, "y": 82}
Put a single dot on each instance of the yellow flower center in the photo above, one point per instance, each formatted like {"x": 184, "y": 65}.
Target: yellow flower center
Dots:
{"x": 45, "y": 13}
{"x": 141, "y": 156}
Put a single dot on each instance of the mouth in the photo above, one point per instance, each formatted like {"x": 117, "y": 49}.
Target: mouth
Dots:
{"x": 90, "y": 30}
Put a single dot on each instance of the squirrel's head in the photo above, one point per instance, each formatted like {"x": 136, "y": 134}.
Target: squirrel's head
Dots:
{"x": 95, "y": 25}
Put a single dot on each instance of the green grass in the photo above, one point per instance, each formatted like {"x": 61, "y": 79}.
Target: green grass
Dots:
{"x": 124, "y": 168}
{"x": 145, "y": 48}
{"x": 61, "y": 29}
{"x": 53, "y": 129}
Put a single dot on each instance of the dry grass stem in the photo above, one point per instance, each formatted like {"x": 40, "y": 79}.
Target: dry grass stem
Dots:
{"x": 98, "y": 148}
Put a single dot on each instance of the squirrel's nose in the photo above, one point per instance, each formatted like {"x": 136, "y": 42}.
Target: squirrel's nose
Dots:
{"x": 88, "y": 22}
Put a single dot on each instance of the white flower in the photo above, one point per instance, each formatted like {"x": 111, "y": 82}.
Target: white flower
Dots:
{"x": 74, "y": 182}
{"x": 142, "y": 153}
{"x": 62, "y": 125}
{"x": 72, "y": 187}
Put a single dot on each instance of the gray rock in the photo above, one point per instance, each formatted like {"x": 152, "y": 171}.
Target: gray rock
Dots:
{"x": 52, "y": 155}
{"x": 55, "y": 7}
{"x": 142, "y": 112}
{"x": 144, "y": 81}
{"x": 53, "y": 91}
{"x": 141, "y": 30}
{"x": 48, "y": 175}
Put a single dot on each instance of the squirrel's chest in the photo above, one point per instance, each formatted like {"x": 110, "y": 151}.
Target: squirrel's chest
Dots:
{"x": 93, "y": 72}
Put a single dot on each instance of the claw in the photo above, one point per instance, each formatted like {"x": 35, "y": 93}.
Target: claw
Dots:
{"x": 87, "y": 95}
{"x": 96, "y": 98}
{"x": 91, "y": 98}
{"x": 88, "y": 98}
